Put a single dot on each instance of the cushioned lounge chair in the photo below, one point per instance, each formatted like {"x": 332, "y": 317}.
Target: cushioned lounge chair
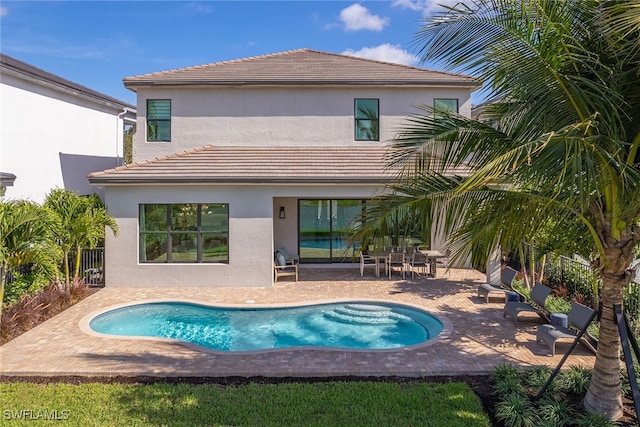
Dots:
{"x": 487, "y": 290}
{"x": 578, "y": 319}
{"x": 290, "y": 259}
{"x": 539, "y": 295}
{"x": 290, "y": 270}
{"x": 283, "y": 267}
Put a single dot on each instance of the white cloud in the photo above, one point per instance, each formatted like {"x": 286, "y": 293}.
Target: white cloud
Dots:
{"x": 106, "y": 47}
{"x": 357, "y": 17}
{"x": 200, "y": 7}
{"x": 415, "y": 5}
{"x": 4, "y": 11}
{"x": 428, "y": 7}
{"x": 385, "y": 52}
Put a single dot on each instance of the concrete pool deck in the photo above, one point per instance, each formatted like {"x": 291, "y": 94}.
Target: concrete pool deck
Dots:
{"x": 480, "y": 338}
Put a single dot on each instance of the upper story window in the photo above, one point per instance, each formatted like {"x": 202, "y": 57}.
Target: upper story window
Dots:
{"x": 158, "y": 120}
{"x": 446, "y": 104}
{"x": 367, "y": 119}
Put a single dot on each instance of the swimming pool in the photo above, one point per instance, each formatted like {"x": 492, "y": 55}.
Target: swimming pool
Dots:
{"x": 351, "y": 325}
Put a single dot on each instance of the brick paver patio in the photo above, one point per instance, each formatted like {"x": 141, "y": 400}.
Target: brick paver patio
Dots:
{"x": 479, "y": 338}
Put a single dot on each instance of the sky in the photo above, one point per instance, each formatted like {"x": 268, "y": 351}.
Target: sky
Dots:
{"x": 98, "y": 43}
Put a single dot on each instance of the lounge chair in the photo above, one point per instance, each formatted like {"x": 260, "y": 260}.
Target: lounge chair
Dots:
{"x": 487, "y": 290}
{"x": 578, "y": 319}
{"x": 539, "y": 295}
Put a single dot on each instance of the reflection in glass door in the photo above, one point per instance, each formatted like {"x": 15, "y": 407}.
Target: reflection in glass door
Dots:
{"x": 324, "y": 230}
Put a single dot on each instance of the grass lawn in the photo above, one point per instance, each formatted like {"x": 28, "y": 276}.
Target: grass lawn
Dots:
{"x": 285, "y": 404}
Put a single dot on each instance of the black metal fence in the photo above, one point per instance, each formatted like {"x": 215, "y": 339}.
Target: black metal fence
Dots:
{"x": 580, "y": 280}
{"x": 91, "y": 266}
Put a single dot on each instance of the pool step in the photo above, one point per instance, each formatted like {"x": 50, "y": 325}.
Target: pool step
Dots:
{"x": 367, "y": 308}
{"x": 365, "y": 315}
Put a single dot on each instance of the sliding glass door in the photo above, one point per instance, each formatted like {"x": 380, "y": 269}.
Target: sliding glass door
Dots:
{"x": 324, "y": 229}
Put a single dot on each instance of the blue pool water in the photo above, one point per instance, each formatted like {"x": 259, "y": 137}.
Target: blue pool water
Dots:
{"x": 356, "y": 325}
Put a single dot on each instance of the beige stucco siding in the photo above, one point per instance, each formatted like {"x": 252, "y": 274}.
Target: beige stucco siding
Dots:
{"x": 278, "y": 116}
{"x": 251, "y": 232}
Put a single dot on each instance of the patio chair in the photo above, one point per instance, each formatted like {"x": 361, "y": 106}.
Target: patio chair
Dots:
{"x": 445, "y": 261}
{"x": 368, "y": 261}
{"x": 419, "y": 263}
{"x": 290, "y": 259}
{"x": 487, "y": 290}
{"x": 396, "y": 259}
{"x": 283, "y": 268}
{"x": 539, "y": 295}
{"x": 578, "y": 319}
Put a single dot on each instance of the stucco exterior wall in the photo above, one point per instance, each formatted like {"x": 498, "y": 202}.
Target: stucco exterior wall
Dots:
{"x": 277, "y": 116}
{"x": 51, "y": 139}
{"x": 251, "y": 233}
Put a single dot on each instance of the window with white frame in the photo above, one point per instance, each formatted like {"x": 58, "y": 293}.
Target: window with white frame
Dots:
{"x": 447, "y": 104}
{"x": 367, "y": 119}
{"x": 159, "y": 120}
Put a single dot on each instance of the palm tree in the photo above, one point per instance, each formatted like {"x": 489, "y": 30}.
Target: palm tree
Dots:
{"x": 24, "y": 240}
{"x": 91, "y": 228}
{"x": 555, "y": 155}
{"x": 77, "y": 222}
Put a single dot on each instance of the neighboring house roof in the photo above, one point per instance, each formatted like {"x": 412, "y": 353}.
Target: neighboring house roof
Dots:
{"x": 302, "y": 67}
{"x": 16, "y": 68}
{"x": 257, "y": 165}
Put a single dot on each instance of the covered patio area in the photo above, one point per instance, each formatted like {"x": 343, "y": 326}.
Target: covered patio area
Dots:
{"x": 479, "y": 337}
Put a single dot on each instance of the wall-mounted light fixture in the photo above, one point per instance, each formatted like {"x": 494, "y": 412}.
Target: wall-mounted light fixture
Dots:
{"x": 283, "y": 215}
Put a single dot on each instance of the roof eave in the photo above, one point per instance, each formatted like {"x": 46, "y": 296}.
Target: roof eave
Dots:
{"x": 130, "y": 84}
{"x": 235, "y": 180}
{"x": 77, "y": 91}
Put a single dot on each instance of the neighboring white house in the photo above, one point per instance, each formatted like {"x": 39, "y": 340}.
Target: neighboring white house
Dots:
{"x": 53, "y": 132}
{"x": 236, "y": 159}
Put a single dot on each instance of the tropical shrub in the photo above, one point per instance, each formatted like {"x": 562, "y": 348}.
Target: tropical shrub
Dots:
{"x": 560, "y": 405}
{"x": 28, "y": 282}
{"x": 32, "y": 309}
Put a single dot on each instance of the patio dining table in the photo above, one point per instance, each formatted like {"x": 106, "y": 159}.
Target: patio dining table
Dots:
{"x": 432, "y": 256}
{"x": 432, "y": 259}
{"x": 379, "y": 257}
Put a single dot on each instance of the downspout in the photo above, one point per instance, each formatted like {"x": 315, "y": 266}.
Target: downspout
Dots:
{"x": 119, "y": 130}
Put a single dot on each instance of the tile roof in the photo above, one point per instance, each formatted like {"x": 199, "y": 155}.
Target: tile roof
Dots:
{"x": 12, "y": 66}
{"x": 302, "y": 67}
{"x": 256, "y": 165}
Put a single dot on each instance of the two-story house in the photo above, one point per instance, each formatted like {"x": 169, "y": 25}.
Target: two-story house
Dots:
{"x": 53, "y": 131}
{"x": 233, "y": 160}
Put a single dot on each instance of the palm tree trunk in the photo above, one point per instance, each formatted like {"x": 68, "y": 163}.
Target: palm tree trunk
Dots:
{"x": 76, "y": 270}
{"x": 3, "y": 278}
{"x": 66, "y": 270}
{"x": 604, "y": 394}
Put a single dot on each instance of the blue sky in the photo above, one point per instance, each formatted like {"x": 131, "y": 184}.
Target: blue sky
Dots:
{"x": 98, "y": 43}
